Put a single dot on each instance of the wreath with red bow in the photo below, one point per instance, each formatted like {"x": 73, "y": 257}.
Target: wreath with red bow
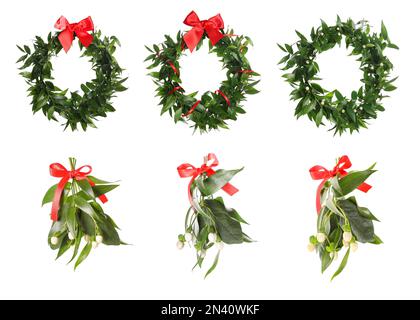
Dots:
{"x": 215, "y": 107}
{"x": 76, "y": 108}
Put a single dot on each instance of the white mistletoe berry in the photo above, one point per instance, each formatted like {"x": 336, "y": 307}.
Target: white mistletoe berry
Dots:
{"x": 99, "y": 239}
{"x": 308, "y": 62}
{"x": 70, "y": 236}
{"x": 343, "y": 111}
{"x": 354, "y": 246}
{"x": 311, "y": 247}
{"x": 54, "y": 241}
{"x": 346, "y": 244}
{"x": 201, "y": 253}
{"x": 381, "y": 64}
{"x": 339, "y": 34}
{"x": 212, "y": 237}
{"x": 188, "y": 237}
{"x": 87, "y": 238}
{"x": 347, "y": 236}
{"x": 321, "y": 237}
{"x": 307, "y": 88}
{"x": 364, "y": 46}
{"x": 95, "y": 244}
{"x": 322, "y": 102}
{"x": 180, "y": 245}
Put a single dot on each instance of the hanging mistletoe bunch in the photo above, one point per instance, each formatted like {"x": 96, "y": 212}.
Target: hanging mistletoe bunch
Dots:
{"x": 76, "y": 214}
{"x": 342, "y": 223}
{"x": 320, "y": 104}
{"x": 214, "y": 107}
{"x": 209, "y": 223}
{"x": 76, "y": 108}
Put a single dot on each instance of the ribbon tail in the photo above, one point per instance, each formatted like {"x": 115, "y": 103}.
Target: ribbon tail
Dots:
{"x": 85, "y": 38}
{"x": 193, "y": 37}
{"x": 57, "y": 197}
{"x": 101, "y": 197}
{"x": 364, "y": 187}
{"x": 214, "y": 35}
{"x": 66, "y": 39}
{"x": 318, "y": 196}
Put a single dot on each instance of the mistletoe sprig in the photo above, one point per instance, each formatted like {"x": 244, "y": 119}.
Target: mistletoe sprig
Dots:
{"x": 208, "y": 222}
{"x": 320, "y": 104}
{"x": 342, "y": 222}
{"x": 74, "y": 107}
{"x": 214, "y": 108}
{"x": 76, "y": 214}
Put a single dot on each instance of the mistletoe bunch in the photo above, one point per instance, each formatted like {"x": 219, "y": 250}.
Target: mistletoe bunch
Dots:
{"x": 216, "y": 106}
{"x": 342, "y": 223}
{"x": 76, "y": 214}
{"x": 209, "y": 223}
{"x": 320, "y": 104}
{"x": 74, "y": 107}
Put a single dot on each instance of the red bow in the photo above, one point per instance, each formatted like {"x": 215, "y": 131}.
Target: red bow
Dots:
{"x": 321, "y": 173}
{"x": 57, "y": 170}
{"x": 211, "y": 26}
{"x": 81, "y": 29}
{"x": 187, "y": 170}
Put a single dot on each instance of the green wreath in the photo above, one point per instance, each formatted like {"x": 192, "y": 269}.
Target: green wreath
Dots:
{"x": 214, "y": 108}
{"x": 75, "y": 108}
{"x": 318, "y": 103}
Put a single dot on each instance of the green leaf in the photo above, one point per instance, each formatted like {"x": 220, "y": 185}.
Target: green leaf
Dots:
{"x": 102, "y": 189}
{"x": 216, "y": 261}
{"x": 365, "y": 212}
{"x": 86, "y": 187}
{"x": 49, "y": 196}
{"x": 342, "y": 265}
{"x": 353, "y": 180}
{"x": 71, "y": 221}
{"x": 98, "y": 181}
{"x": 325, "y": 259}
{"x": 87, "y": 224}
{"x": 384, "y": 32}
{"x": 83, "y": 205}
{"x": 65, "y": 245}
{"x": 376, "y": 240}
{"x": 83, "y": 255}
{"x": 218, "y": 180}
{"x": 361, "y": 227}
{"x": 229, "y": 229}
{"x": 235, "y": 215}
{"x": 77, "y": 242}
{"x": 108, "y": 232}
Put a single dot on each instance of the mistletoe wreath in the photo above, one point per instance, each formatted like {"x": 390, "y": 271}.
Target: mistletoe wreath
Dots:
{"x": 214, "y": 108}
{"x": 75, "y": 108}
{"x": 317, "y": 103}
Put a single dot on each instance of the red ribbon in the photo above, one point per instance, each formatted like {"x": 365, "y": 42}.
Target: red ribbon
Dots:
{"x": 187, "y": 170}
{"x": 211, "y": 27}
{"x": 80, "y": 28}
{"x": 321, "y": 173}
{"x": 175, "y": 90}
{"x": 246, "y": 71}
{"x": 173, "y": 67}
{"x": 224, "y": 96}
{"x": 57, "y": 170}
{"x": 192, "y": 109}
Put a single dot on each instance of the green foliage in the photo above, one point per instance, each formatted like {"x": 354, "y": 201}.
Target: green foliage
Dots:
{"x": 213, "y": 111}
{"x": 340, "y": 216}
{"x": 319, "y": 104}
{"x": 77, "y": 108}
{"x": 210, "y": 216}
{"x": 81, "y": 219}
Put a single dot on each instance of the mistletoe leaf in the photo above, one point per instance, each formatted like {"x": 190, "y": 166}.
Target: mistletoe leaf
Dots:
{"x": 342, "y": 265}
{"x": 213, "y": 267}
{"x": 103, "y": 189}
{"x": 218, "y": 180}
{"x": 83, "y": 255}
{"x": 361, "y": 227}
{"x": 87, "y": 224}
{"x": 49, "y": 195}
{"x": 83, "y": 205}
{"x": 353, "y": 180}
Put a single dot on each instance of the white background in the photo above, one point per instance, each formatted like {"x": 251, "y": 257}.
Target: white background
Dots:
{"x": 136, "y": 145}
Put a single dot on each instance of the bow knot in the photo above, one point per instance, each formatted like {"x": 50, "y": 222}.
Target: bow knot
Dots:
{"x": 57, "y": 170}
{"x": 211, "y": 27}
{"x": 187, "y": 170}
{"x": 68, "y": 30}
{"x": 321, "y": 173}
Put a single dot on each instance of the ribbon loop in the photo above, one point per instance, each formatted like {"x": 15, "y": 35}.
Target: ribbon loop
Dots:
{"x": 211, "y": 27}
{"x": 68, "y": 30}
{"x": 187, "y": 170}
{"x": 57, "y": 170}
{"x": 321, "y": 173}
